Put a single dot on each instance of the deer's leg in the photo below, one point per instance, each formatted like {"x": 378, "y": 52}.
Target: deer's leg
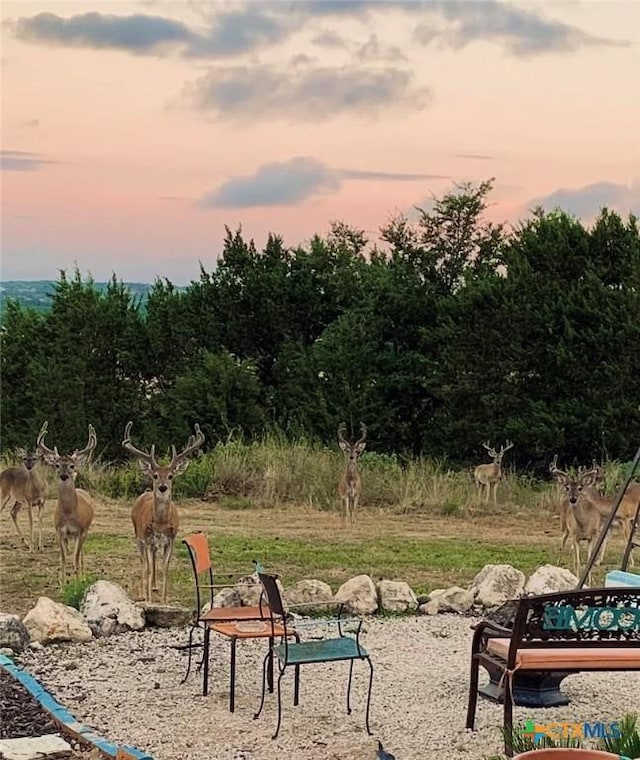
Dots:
{"x": 14, "y": 516}
{"x": 166, "y": 558}
{"x": 40, "y": 514}
{"x": 353, "y": 510}
{"x": 31, "y": 533}
{"x": 77, "y": 556}
{"x": 151, "y": 572}
{"x": 576, "y": 549}
{"x": 63, "y": 558}
{"x": 143, "y": 570}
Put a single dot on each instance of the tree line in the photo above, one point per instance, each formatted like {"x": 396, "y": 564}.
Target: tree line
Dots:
{"x": 450, "y": 332}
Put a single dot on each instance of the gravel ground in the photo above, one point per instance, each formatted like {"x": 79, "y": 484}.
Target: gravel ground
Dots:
{"x": 127, "y": 688}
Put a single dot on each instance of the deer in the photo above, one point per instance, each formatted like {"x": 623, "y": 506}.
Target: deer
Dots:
{"x": 75, "y": 509}
{"x": 350, "y": 485}
{"x": 154, "y": 514}
{"x": 579, "y": 519}
{"x": 25, "y": 486}
{"x": 626, "y": 512}
{"x": 488, "y": 475}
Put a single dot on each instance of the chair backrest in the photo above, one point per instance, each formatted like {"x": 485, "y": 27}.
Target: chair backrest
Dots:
{"x": 198, "y": 548}
{"x": 594, "y": 618}
{"x": 272, "y": 592}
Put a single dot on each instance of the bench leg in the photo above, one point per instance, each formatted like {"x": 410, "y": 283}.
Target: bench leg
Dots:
{"x": 473, "y": 693}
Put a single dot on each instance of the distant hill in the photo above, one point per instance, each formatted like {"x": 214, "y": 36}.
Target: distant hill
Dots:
{"x": 36, "y": 294}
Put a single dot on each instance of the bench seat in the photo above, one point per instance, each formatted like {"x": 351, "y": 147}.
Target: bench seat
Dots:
{"x": 569, "y": 658}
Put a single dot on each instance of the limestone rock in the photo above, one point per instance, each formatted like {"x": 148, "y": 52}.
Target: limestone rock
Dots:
{"x": 454, "y": 599}
{"x": 51, "y": 621}
{"x": 358, "y": 595}
{"x": 166, "y": 615}
{"x": 310, "y": 596}
{"x": 108, "y": 609}
{"x": 494, "y": 584}
{"x": 549, "y": 578}
{"x": 13, "y": 634}
{"x": 396, "y": 596}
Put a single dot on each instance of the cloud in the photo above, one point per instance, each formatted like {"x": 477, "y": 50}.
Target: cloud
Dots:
{"x": 310, "y": 94}
{"x": 522, "y": 32}
{"x": 230, "y": 33}
{"x": 275, "y": 184}
{"x": 292, "y": 182}
{"x": 372, "y": 50}
{"x": 329, "y": 39}
{"x": 586, "y": 202}
{"x": 30, "y": 123}
{"x": 474, "y": 156}
{"x": 21, "y": 161}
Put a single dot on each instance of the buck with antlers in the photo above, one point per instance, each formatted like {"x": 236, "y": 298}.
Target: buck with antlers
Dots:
{"x": 75, "y": 509}
{"x": 579, "y": 519}
{"x": 350, "y": 485}
{"x": 488, "y": 475}
{"x": 154, "y": 514}
{"x": 25, "y": 486}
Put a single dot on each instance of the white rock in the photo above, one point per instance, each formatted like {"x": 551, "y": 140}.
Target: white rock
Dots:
{"x": 51, "y": 621}
{"x": 310, "y": 595}
{"x": 13, "y": 634}
{"x": 396, "y": 596}
{"x": 454, "y": 599}
{"x": 108, "y": 609}
{"x": 494, "y": 584}
{"x": 358, "y": 595}
{"x": 549, "y": 578}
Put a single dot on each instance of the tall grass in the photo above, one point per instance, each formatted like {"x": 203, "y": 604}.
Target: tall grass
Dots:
{"x": 273, "y": 472}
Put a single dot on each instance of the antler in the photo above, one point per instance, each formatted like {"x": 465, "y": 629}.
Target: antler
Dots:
{"x": 40, "y": 446}
{"x": 509, "y": 445}
{"x": 194, "y": 442}
{"x": 363, "y": 437}
{"x": 553, "y": 468}
{"x": 341, "y": 428}
{"x": 149, "y": 457}
{"x": 91, "y": 444}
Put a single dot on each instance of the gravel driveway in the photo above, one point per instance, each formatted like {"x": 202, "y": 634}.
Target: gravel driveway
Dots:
{"x": 127, "y": 687}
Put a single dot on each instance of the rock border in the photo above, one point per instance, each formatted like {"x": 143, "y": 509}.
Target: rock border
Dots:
{"x": 64, "y": 718}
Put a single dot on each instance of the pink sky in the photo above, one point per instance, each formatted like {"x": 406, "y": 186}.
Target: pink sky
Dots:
{"x": 132, "y": 132}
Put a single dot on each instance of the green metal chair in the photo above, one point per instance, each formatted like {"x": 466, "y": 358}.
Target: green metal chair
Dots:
{"x": 288, "y": 654}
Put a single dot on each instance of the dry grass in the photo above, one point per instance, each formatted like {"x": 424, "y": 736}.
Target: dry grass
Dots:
{"x": 428, "y": 550}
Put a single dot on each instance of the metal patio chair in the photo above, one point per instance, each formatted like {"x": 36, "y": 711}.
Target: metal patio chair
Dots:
{"x": 341, "y": 647}
{"x": 203, "y": 575}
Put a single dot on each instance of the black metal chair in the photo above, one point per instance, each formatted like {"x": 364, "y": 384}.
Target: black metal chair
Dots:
{"x": 198, "y": 549}
{"x": 288, "y": 654}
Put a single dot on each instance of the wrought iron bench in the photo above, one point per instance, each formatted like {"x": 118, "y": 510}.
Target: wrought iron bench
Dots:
{"x": 553, "y": 636}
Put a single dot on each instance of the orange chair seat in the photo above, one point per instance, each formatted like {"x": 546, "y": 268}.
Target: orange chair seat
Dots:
{"x": 570, "y": 658}
{"x": 223, "y": 614}
{"x": 233, "y": 630}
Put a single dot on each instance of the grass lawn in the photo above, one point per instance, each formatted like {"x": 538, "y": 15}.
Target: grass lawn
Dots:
{"x": 426, "y": 549}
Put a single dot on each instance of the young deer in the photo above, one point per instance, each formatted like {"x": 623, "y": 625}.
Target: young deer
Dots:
{"x": 579, "y": 520}
{"x": 74, "y": 510}
{"x": 26, "y": 486}
{"x": 487, "y": 475}
{"x": 154, "y": 515}
{"x": 350, "y": 485}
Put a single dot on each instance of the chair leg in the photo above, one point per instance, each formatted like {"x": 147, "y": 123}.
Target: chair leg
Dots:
{"x": 270, "y": 670}
{"x": 189, "y": 647}
{"x": 296, "y": 686}
{"x": 369, "y": 695}
{"x": 275, "y": 736}
{"x": 473, "y": 693}
{"x": 264, "y": 684}
{"x": 205, "y": 661}
{"x": 232, "y": 677}
{"x": 349, "y": 687}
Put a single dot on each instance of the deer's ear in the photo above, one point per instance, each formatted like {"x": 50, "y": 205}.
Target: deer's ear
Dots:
{"x": 361, "y": 447}
{"x": 49, "y": 459}
{"x": 145, "y": 467}
{"x": 343, "y": 445}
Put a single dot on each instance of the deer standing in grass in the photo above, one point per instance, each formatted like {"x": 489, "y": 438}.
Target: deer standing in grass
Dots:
{"x": 26, "y": 486}
{"x": 626, "y": 512}
{"x": 580, "y": 520}
{"x": 154, "y": 514}
{"x": 74, "y": 510}
{"x": 350, "y": 485}
{"x": 488, "y": 475}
